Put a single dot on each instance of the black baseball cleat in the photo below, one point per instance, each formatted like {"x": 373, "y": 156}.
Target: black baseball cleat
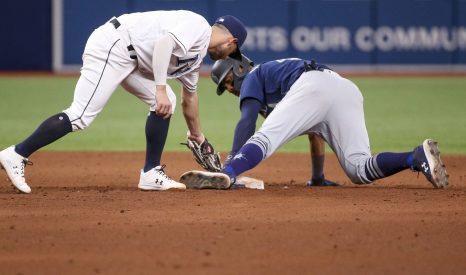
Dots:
{"x": 205, "y": 180}
{"x": 427, "y": 160}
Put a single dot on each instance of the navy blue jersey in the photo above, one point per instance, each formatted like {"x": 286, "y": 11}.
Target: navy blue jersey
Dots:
{"x": 270, "y": 81}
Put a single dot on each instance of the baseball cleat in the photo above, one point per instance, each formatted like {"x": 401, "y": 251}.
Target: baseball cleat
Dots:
{"x": 205, "y": 180}
{"x": 14, "y": 165}
{"x": 156, "y": 180}
{"x": 426, "y": 159}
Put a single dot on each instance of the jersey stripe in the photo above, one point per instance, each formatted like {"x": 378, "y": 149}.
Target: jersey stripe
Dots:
{"x": 100, "y": 78}
{"x": 179, "y": 42}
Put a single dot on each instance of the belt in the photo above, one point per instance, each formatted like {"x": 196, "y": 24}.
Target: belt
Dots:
{"x": 132, "y": 52}
{"x": 115, "y": 23}
{"x": 313, "y": 66}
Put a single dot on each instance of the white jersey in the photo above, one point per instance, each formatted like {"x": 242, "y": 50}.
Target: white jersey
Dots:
{"x": 190, "y": 31}
{"x": 108, "y": 63}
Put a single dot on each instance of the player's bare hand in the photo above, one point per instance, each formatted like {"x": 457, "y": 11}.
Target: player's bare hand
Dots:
{"x": 164, "y": 106}
{"x": 198, "y": 137}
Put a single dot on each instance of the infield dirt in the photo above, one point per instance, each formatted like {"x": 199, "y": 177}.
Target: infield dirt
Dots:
{"x": 85, "y": 215}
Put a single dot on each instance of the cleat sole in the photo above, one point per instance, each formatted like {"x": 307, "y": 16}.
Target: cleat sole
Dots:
{"x": 439, "y": 173}
{"x": 205, "y": 180}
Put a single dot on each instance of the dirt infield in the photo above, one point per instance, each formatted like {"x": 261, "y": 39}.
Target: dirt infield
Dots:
{"x": 86, "y": 216}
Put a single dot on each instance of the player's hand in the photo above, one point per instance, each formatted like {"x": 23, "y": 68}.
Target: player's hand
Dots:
{"x": 199, "y": 138}
{"x": 164, "y": 106}
{"x": 204, "y": 154}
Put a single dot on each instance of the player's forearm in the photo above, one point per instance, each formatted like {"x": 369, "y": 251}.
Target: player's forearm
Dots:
{"x": 247, "y": 124}
{"x": 163, "y": 50}
{"x": 189, "y": 104}
{"x": 162, "y": 89}
{"x": 317, "y": 145}
{"x": 243, "y": 131}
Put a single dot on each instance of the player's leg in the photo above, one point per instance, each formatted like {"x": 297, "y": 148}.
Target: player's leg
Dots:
{"x": 156, "y": 127}
{"x": 81, "y": 113}
{"x": 152, "y": 176}
{"x": 424, "y": 158}
{"x": 347, "y": 135}
{"x": 156, "y": 135}
{"x": 317, "y": 149}
{"x": 300, "y": 110}
{"x": 105, "y": 64}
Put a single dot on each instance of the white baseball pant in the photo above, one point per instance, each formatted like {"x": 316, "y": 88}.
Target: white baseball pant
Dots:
{"x": 107, "y": 64}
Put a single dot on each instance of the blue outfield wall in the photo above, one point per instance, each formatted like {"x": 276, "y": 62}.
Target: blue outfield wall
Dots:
{"x": 366, "y": 32}
{"x": 25, "y": 35}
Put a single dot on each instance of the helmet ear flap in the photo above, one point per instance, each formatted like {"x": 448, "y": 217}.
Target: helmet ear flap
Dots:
{"x": 240, "y": 70}
{"x": 219, "y": 71}
{"x": 221, "y": 68}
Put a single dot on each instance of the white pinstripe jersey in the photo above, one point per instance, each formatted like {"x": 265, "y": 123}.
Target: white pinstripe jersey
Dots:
{"x": 189, "y": 30}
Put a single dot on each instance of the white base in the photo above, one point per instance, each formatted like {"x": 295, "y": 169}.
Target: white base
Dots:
{"x": 250, "y": 183}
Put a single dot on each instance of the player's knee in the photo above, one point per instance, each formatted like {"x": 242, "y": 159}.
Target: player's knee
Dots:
{"x": 359, "y": 181}
{"x": 171, "y": 96}
{"x": 357, "y": 174}
{"x": 263, "y": 142}
{"x": 79, "y": 122}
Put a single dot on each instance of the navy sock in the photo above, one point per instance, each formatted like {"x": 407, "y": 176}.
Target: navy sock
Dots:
{"x": 49, "y": 131}
{"x": 156, "y": 135}
{"x": 410, "y": 159}
{"x": 247, "y": 158}
{"x": 386, "y": 164}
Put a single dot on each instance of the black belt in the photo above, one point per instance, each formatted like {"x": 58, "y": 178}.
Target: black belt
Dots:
{"x": 115, "y": 23}
{"x": 132, "y": 52}
{"x": 313, "y": 66}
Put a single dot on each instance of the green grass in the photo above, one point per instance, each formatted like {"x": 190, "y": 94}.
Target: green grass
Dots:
{"x": 400, "y": 113}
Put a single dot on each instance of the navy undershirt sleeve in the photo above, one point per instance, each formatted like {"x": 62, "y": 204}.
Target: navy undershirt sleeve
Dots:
{"x": 246, "y": 126}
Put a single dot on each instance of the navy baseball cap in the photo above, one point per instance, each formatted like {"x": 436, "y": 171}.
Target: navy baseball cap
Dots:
{"x": 237, "y": 29}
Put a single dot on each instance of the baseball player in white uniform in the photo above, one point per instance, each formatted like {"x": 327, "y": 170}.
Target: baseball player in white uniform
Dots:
{"x": 140, "y": 51}
{"x": 301, "y": 97}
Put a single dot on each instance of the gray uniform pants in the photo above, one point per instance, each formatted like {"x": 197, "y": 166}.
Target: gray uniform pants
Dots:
{"x": 329, "y": 105}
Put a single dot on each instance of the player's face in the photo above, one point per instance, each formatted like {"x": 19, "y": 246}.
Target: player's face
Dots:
{"x": 228, "y": 84}
{"x": 223, "y": 50}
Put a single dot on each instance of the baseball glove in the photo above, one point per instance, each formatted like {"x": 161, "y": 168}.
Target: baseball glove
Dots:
{"x": 205, "y": 155}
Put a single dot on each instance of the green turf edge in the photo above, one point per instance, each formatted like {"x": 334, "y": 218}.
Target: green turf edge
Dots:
{"x": 400, "y": 113}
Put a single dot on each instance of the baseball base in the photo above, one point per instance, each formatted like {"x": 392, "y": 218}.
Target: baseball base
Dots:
{"x": 247, "y": 182}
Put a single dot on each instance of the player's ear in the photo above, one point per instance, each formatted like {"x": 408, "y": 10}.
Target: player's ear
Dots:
{"x": 233, "y": 42}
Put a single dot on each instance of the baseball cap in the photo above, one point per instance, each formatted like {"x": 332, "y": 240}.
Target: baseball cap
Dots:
{"x": 237, "y": 29}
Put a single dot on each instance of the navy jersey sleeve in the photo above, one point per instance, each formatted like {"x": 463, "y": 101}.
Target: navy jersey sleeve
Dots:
{"x": 252, "y": 87}
{"x": 246, "y": 125}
